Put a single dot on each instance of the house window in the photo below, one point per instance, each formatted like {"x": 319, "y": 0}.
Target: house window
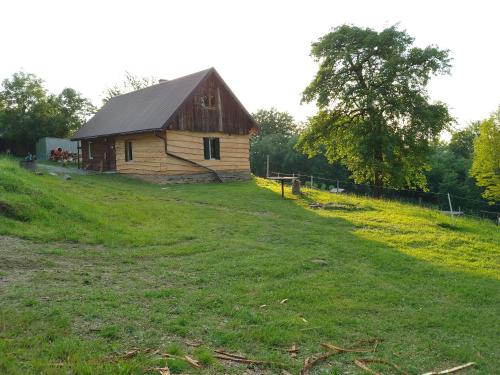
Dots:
{"x": 129, "y": 156}
{"x": 211, "y": 148}
{"x": 208, "y": 99}
{"x": 90, "y": 150}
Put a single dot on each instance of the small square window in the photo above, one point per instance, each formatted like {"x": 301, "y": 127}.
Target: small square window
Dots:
{"x": 207, "y": 99}
{"x": 129, "y": 156}
{"x": 211, "y": 148}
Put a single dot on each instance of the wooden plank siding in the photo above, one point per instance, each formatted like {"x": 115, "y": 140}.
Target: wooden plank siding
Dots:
{"x": 149, "y": 153}
{"x": 103, "y": 154}
{"x": 223, "y": 113}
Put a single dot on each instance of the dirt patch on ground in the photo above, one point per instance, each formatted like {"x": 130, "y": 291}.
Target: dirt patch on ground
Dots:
{"x": 11, "y": 212}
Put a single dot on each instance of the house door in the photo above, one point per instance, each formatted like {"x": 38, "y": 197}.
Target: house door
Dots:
{"x": 110, "y": 155}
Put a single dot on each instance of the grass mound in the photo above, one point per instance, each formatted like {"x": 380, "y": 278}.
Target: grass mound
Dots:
{"x": 109, "y": 264}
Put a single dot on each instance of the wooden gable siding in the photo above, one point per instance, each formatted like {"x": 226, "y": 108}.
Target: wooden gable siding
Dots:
{"x": 149, "y": 153}
{"x": 103, "y": 154}
{"x": 227, "y": 115}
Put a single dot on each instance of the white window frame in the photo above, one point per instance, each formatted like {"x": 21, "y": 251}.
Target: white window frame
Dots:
{"x": 90, "y": 150}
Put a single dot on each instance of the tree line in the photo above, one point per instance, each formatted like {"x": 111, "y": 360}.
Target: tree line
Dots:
{"x": 375, "y": 123}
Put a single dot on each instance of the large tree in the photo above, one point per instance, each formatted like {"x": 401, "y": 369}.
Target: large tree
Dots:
{"x": 28, "y": 112}
{"x": 486, "y": 162}
{"x": 374, "y": 111}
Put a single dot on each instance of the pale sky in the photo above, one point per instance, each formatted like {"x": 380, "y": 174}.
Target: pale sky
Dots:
{"x": 260, "y": 48}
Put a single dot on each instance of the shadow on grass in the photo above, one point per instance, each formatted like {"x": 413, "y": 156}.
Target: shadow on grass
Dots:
{"x": 226, "y": 282}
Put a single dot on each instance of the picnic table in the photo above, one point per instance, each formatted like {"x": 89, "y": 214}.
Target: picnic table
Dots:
{"x": 283, "y": 179}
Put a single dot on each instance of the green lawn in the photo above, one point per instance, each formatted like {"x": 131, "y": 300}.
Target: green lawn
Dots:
{"x": 93, "y": 267}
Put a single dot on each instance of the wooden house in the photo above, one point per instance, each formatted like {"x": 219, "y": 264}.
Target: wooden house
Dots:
{"x": 191, "y": 128}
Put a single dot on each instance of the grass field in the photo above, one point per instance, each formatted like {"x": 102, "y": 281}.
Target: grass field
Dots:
{"x": 93, "y": 267}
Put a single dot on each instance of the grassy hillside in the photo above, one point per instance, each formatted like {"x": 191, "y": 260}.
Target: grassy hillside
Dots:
{"x": 93, "y": 267}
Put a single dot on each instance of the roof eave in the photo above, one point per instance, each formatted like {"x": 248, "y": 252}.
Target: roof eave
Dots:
{"x": 116, "y": 134}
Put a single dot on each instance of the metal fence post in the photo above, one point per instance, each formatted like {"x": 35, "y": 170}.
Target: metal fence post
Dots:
{"x": 451, "y": 210}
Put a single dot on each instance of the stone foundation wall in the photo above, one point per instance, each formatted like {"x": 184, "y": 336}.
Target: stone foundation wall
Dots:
{"x": 161, "y": 179}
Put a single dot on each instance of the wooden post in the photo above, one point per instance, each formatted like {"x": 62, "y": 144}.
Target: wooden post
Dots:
{"x": 312, "y": 183}
{"x": 337, "y": 186}
{"x": 451, "y": 210}
{"x": 267, "y": 166}
{"x": 78, "y": 147}
{"x": 282, "y": 188}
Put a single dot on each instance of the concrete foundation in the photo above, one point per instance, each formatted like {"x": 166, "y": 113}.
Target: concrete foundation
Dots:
{"x": 160, "y": 179}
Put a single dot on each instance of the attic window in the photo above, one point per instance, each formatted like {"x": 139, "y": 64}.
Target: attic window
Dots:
{"x": 129, "y": 156}
{"x": 211, "y": 148}
{"x": 207, "y": 99}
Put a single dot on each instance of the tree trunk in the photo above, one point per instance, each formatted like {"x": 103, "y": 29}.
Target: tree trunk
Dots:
{"x": 378, "y": 185}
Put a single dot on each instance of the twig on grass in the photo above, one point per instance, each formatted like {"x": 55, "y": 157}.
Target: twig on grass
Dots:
{"x": 130, "y": 353}
{"x": 293, "y": 351}
{"x": 451, "y": 370}
{"x": 229, "y": 354}
{"x": 345, "y": 350}
{"x": 162, "y": 370}
{"x": 241, "y": 360}
{"x": 194, "y": 363}
{"x": 309, "y": 362}
{"x": 361, "y": 363}
{"x": 225, "y": 356}
{"x": 194, "y": 344}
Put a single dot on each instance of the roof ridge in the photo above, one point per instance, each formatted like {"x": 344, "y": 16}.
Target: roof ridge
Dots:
{"x": 163, "y": 83}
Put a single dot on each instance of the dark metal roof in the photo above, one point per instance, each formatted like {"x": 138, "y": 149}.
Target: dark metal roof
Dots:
{"x": 143, "y": 110}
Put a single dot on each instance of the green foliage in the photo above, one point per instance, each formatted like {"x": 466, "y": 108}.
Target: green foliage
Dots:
{"x": 449, "y": 173}
{"x": 271, "y": 122}
{"x": 130, "y": 83}
{"x": 462, "y": 141}
{"x": 374, "y": 113}
{"x": 386, "y": 270}
{"x": 486, "y": 163}
{"x": 277, "y": 138}
{"x": 28, "y": 112}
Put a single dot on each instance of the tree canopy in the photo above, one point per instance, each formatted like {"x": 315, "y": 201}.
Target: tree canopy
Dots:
{"x": 28, "y": 112}
{"x": 374, "y": 111}
{"x": 486, "y": 161}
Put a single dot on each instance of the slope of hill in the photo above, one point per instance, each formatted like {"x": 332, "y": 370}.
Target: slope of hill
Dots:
{"x": 93, "y": 267}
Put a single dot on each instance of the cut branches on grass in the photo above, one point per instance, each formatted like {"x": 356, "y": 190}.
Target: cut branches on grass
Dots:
{"x": 294, "y": 350}
{"x": 362, "y": 364}
{"x": 225, "y": 356}
{"x": 160, "y": 370}
{"x": 192, "y": 362}
{"x": 106, "y": 238}
{"x": 345, "y": 350}
{"x": 310, "y": 362}
{"x": 451, "y": 370}
{"x": 131, "y": 353}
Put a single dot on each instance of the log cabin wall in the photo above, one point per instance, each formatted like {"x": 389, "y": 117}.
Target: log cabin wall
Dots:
{"x": 102, "y": 156}
{"x": 149, "y": 155}
{"x": 234, "y": 151}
